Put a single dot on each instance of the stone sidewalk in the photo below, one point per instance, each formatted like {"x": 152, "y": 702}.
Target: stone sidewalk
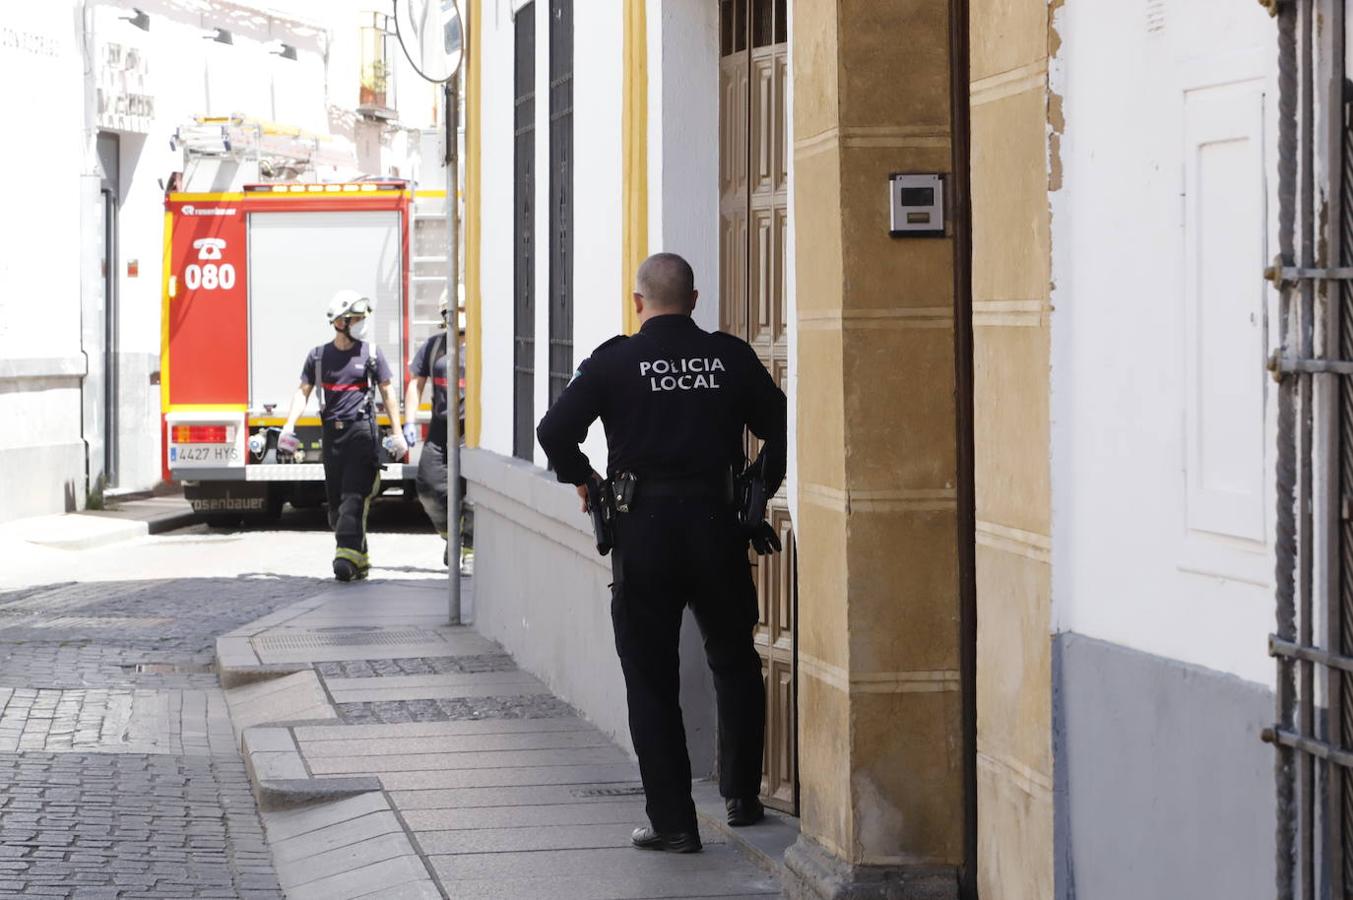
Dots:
{"x": 87, "y": 529}
{"x": 394, "y": 756}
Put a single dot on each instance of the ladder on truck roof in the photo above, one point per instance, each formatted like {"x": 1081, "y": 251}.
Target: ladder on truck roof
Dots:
{"x": 240, "y": 139}
{"x": 427, "y": 257}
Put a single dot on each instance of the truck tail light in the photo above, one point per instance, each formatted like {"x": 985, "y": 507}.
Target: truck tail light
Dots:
{"x": 203, "y": 434}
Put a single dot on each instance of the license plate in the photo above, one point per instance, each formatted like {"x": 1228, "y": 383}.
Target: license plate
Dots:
{"x": 185, "y": 456}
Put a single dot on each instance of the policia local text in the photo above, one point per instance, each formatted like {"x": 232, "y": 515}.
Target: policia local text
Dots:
{"x": 681, "y": 375}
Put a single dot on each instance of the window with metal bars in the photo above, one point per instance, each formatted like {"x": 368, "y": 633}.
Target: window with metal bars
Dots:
{"x": 523, "y": 239}
{"x": 561, "y": 196}
{"x": 1313, "y": 641}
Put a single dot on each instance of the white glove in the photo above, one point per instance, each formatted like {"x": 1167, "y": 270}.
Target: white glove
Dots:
{"x": 287, "y": 442}
{"x": 398, "y": 449}
{"x": 410, "y": 434}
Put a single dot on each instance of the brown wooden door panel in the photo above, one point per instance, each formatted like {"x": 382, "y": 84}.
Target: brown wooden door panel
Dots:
{"x": 753, "y": 216}
{"x": 780, "y": 774}
{"x": 732, "y": 281}
{"x": 768, "y": 749}
{"x": 780, "y": 131}
{"x": 784, "y": 624}
{"x": 763, "y": 288}
{"x": 764, "y": 120}
{"x": 779, "y": 326}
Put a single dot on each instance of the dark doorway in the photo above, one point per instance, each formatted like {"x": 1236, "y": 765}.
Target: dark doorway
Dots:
{"x": 561, "y": 196}
{"x": 103, "y": 472}
{"x": 523, "y": 240}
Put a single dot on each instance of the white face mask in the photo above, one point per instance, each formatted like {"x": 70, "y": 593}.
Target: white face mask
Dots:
{"x": 359, "y": 330}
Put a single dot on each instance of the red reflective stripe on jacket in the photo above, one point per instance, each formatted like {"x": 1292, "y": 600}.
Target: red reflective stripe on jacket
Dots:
{"x": 343, "y": 387}
{"x": 439, "y": 382}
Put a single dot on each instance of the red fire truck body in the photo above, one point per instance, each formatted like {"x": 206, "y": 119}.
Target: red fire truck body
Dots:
{"x": 247, "y": 278}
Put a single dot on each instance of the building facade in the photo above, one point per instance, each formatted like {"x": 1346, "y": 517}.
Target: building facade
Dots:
{"x": 89, "y": 157}
{"x": 1018, "y": 646}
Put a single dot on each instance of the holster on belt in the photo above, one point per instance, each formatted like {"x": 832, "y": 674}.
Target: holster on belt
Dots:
{"x": 749, "y": 495}
{"x": 601, "y": 505}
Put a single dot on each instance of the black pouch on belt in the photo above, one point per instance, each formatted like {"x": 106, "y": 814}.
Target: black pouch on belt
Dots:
{"x": 601, "y": 506}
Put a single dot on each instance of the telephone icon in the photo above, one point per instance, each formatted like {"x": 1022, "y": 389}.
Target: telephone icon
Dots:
{"x": 209, "y": 248}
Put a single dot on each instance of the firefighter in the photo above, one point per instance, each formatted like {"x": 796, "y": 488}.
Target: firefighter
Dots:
{"x": 345, "y": 370}
{"x": 430, "y": 362}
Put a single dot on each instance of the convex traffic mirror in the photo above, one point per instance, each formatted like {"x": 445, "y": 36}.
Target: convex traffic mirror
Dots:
{"x": 430, "y": 33}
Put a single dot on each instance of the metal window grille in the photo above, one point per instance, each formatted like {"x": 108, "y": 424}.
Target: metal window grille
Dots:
{"x": 561, "y": 196}
{"x": 523, "y": 241}
{"x": 1313, "y": 760}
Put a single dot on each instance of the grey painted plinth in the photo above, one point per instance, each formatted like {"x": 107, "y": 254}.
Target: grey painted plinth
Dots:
{"x": 812, "y": 873}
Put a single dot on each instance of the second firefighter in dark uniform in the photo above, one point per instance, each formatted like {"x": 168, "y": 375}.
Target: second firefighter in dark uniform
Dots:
{"x": 674, "y": 401}
{"x": 430, "y": 362}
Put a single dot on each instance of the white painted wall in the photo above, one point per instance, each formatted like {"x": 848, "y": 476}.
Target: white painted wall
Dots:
{"x": 41, "y": 452}
{"x": 1163, "y": 428}
{"x": 687, "y": 75}
{"x": 496, "y": 224}
{"x": 598, "y": 90}
{"x": 39, "y": 298}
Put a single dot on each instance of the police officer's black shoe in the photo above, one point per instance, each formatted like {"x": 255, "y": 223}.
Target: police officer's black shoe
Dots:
{"x": 346, "y": 570}
{"x": 744, "y": 811}
{"x": 648, "y": 838}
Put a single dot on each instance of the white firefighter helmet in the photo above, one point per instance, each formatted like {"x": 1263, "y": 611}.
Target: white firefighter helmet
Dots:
{"x": 444, "y": 306}
{"x": 349, "y": 303}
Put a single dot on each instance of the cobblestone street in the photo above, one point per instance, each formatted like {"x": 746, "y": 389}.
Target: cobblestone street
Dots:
{"x": 120, "y": 776}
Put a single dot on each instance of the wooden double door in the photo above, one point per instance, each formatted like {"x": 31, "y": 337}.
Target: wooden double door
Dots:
{"x": 753, "y": 213}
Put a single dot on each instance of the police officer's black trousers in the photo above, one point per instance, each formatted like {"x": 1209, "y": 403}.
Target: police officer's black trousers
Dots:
{"x": 672, "y": 552}
{"x": 351, "y": 480}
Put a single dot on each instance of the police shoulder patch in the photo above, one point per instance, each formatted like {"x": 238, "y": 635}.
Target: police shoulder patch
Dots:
{"x": 615, "y": 340}
{"x": 732, "y": 338}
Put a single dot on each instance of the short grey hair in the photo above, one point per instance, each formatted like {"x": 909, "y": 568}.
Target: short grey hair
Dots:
{"x": 666, "y": 281}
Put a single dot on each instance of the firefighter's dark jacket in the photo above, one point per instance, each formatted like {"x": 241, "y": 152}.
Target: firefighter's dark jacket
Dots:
{"x": 674, "y": 400}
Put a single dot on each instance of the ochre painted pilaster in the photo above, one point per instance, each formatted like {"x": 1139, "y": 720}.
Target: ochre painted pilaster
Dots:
{"x": 1011, "y": 168}
{"x": 880, "y": 732}
{"x": 634, "y": 153}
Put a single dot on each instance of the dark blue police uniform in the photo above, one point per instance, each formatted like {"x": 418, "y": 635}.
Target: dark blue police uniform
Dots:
{"x": 675, "y": 400}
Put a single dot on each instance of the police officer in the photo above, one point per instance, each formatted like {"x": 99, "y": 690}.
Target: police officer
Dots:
{"x": 430, "y": 362}
{"x": 674, "y": 400}
{"x": 344, "y": 370}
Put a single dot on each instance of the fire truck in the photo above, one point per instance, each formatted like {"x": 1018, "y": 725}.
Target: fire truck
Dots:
{"x": 247, "y": 276}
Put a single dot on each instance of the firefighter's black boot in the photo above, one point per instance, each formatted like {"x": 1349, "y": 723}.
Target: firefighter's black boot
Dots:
{"x": 346, "y": 570}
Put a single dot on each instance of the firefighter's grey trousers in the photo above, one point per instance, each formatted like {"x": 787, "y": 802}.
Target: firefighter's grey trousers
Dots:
{"x": 431, "y": 482}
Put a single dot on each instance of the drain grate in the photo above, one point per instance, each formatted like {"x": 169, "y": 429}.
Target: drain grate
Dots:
{"x": 309, "y": 640}
{"x": 631, "y": 791}
{"x": 154, "y": 668}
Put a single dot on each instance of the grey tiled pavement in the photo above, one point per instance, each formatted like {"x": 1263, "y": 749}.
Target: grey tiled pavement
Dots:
{"x": 119, "y": 772}
{"x": 130, "y": 825}
{"x": 491, "y": 787}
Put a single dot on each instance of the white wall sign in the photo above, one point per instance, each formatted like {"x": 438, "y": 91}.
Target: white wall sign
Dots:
{"x": 124, "y": 99}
